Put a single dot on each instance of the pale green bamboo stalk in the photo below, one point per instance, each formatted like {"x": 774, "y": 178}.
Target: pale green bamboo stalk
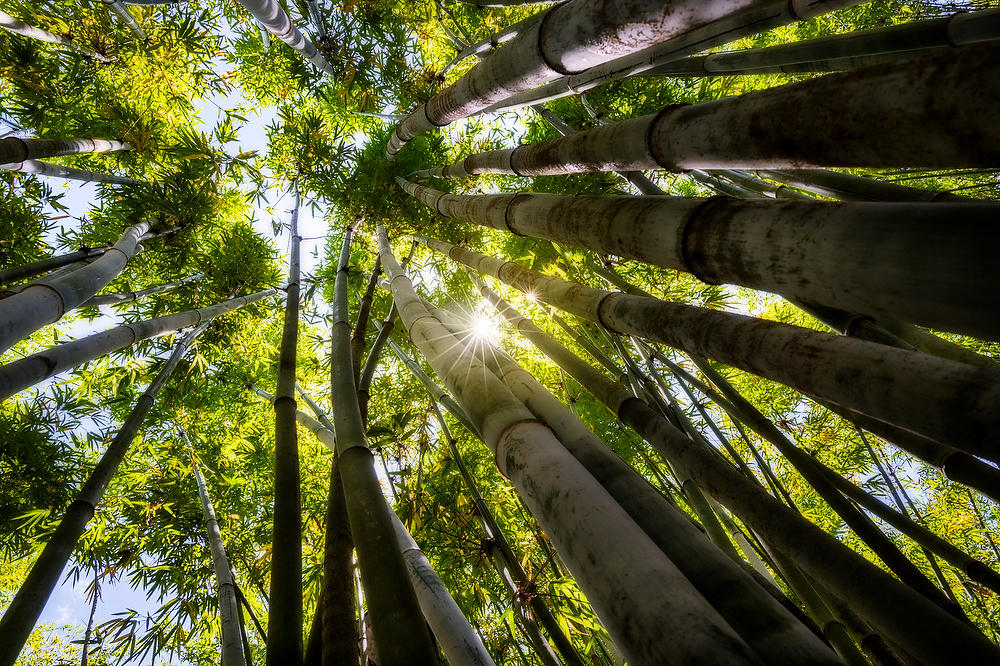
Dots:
{"x": 229, "y": 615}
{"x": 123, "y": 12}
{"x": 28, "y": 371}
{"x": 284, "y": 627}
{"x": 22, "y": 614}
{"x": 47, "y": 300}
{"x": 19, "y": 27}
{"x": 59, "y": 171}
{"x": 132, "y": 296}
{"x": 573, "y": 509}
{"x": 270, "y": 15}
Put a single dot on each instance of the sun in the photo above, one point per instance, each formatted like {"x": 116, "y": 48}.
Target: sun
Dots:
{"x": 484, "y": 328}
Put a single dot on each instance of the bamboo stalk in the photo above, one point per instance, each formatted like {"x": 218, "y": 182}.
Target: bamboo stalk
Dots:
{"x": 397, "y": 624}
{"x": 947, "y": 401}
{"x": 812, "y": 251}
{"x": 846, "y": 51}
{"x": 59, "y": 171}
{"x": 28, "y": 371}
{"x": 572, "y": 508}
{"x": 132, "y": 296}
{"x": 897, "y": 611}
{"x": 276, "y": 21}
{"x": 15, "y": 149}
{"x": 19, "y": 27}
{"x": 48, "y": 263}
{"x": 577, "y": 37}
{"x": 284, "y": 627}
{"x": 22, "y": 614}
{"x": 231, "y": 638}
{"x": 760, "y": 620}
{"x": 47, "y": 300}
{"x": 879, "y": 110}
{"x": 846, "y": 187}
{"x": 123, "y": 12}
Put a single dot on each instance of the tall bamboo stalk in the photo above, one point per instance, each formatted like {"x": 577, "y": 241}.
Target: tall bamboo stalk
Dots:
{"x": 229, "y": 615}
{"x": 15, "y": 149}
{"x": 123, "y": 12}
{"x": 576, "y": 512}
{"x": 752, "y": 611}
{"x": 47, "y": 264}
{"x": 577, "y": 37}
{"x": 837, "y": 258}
{"x": 397, "y": 623}
{"x": 59, "y": 171}
{"x": 19, "y": 27}
{"x": 284, "y": 627}
{"x": 846, "y": 51}
{"x": 48, "y": 300}
{"x": 132, "y": 296}
{"x": 752, "y": 19}
{"x": 22, "y": 614}
{"x": 846, "y": 187}
{"x": 276, "y": 21}
{"x": 901, "y": 614}
{"x": 886, "y": 383}
{"x": 879, "y": 110}
{"x": 28, "y": 371}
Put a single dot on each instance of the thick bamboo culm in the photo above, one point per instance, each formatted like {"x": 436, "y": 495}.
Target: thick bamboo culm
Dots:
{"x": 46, "y": 300}
{"x": 19, "y": 27}
{"x": 949, "y": 402}
{"x": 878, "y": 110}
{"x": 284, "y": 627}
{"x": 532, "y": 611}
{"x": 821, "y": 555}
{"x": 846, "y": 51}
{"x": 774, "y": 634}
{"x": 574, "y": 510}
{"x": 872, "y": 258}
{"x": 271, "y": 16}
{"x": 59, "y": 171}
{"x": 28, "y": 371}
{"x": 14, "y": 149}
{"x": 599, "y": 32}
{"x": 401, "y": 636}
{"x": 22, "y": 614}
{"x": 23, "y": 271}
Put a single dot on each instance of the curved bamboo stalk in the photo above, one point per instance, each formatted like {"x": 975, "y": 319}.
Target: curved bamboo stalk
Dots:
{"x": 879, "y": 110}
{"x": 574, "y": 510}
{"x": 49, "y": 263}
{"x": 19, "y": 27}
{"x": 531, "y": 611}
{"x": 846, "y": 51}
{"x": 132, "y": 296}
{"x": 229, "y": 615}
{"x": 22, "y": 614}
{"x": 577, "y": 36}
{"x": 946, "y": 401}
{"x": 15, "y": 149}
{"x": 846, "y": 187}
{"x": 122, "y": 11}
{"x": 28, "y": 371}
{"x": 284, "y": 627}
{"x": 59, "y": 171}
{"x": 276, "y": 20}
{"x": 774, "y": 634}
{"x": 45, "y": 301}
{"x": 753, "y": 19}
{"x": 822, "y": 556}
{"x": 805, "y": 250}
{"x": 400, "y": 633}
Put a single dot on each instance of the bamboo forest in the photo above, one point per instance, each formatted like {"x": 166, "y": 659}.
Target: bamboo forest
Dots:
{"x": 489, "y": 332}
